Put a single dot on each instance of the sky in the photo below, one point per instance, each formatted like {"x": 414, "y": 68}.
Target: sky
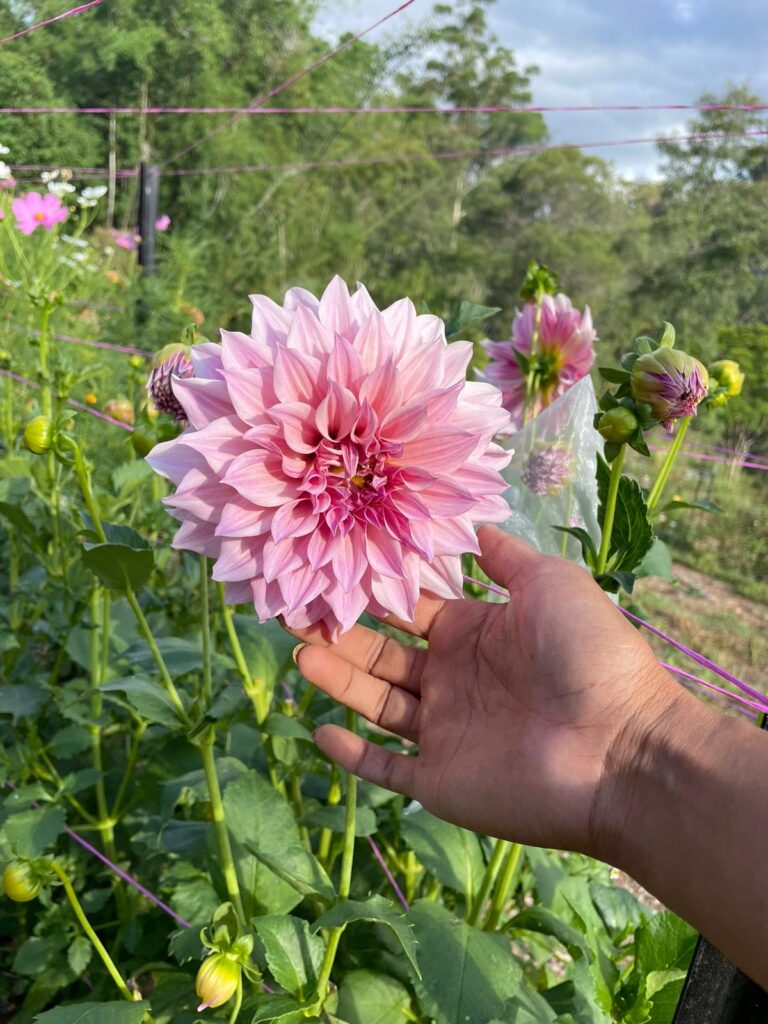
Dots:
{"x": 610, "y": 52}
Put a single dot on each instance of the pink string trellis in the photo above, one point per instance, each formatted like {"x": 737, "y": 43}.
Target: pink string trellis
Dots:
{"x": 50, "y": 21}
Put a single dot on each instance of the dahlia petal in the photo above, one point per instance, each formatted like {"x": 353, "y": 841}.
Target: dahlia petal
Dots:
{"x": 240, "y": 352}
{"x": 193, "y": 536}
{"x": 202, "y": 400}
{"x": 257, "y": 476}
{"x": 297, "y": 424}
{"x": 270, "y": 323}
{"x": 384, "y": 553}
{"x": 480, "y": 479}
{"x": 321, "y": 548}
{"x": 383, "y": 389}
{"x": 445, "y": 498}
{"x": 240, "y": 518}
{"x": 283, "y": 556}
{"x": 206, "y": 360}
{"x": 442, "y": 449}
{"x": 365, "y": 425}
{"x": 308, "y": 335}
{"x": 404, "y": 423}
{"x": 373, "y": 342}
{"x": 363, "y": 305}
{"x": 410, "y": 505}
{"x": 400, "y": 322}
{"x": 267, "y": 598}
{"x": 335, "y": 307}
{"x": 421, "y": 538}
{"x": 239, "y": 559}
{"x": 457, "y": 357}
{"x": 442, "y": 577}
{"x": 238, "y": 593}
{"x": 296, "y": 375}
{"x": 198, "y": 494}
{"x": 294, "y": 519}
{"x": 349, "y": 562}
{"x": 218, "y": 442}
{"x": 347, "y": 607}
{"x": 301, "y": 587}
{"x": 455, "y": 536}
{"x": 337, "y": 413}
{"x": 344, "y": 364}
{"x": 174, "y": 459}
{"x": 491, "y": 509}
{"x": 296, "y": 297}
{"x": 397, "y": 595}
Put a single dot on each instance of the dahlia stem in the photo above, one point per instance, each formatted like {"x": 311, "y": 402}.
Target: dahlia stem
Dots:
{"x": 334, "y": 798}
{"x": 568, "y": 510}
{"x": 345, "y": 880}
{"x": 489, "y": 877}
{"x": 509, "y": 873}
{"x": 530, "y": 379}
{"x": 238, "y": 1002}
{"x": 128, "y": 774}
{"x": 205, "y": 624}
{"x": 610, "y": 512}
{"x": 666, "y": 467}
{"x": 208, "y": 758}
{"x": 46, "y": 401}
{"x": 88, "y": 929}
{"x": 8, "y": 423}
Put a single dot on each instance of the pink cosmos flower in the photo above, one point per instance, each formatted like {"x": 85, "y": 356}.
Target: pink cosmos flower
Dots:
{"x": 7, "y": 182}
{"x": 564, "y": 354}
{"x": 336, "y": 459}
{"x": 126, "y": 241}
{"x": 34, "y": 211}
{"x": 163, "y": 222}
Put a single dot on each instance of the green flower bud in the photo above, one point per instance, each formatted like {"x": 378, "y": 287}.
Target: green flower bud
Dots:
{"x": 19, "y": 882}
{"x": 671, "y": 382}
{"x": 38, "y": 435}
{"x": 618, "y": 425}
{"x": 728, "y": 374}
{"x": 137, "y": 362}
{"x": 141, "y": 443}
{"x": 217, "y": 980}
{"x": 718, "y": 400}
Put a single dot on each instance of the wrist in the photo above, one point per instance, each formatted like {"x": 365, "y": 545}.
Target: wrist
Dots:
{"x": 650, "y": 761}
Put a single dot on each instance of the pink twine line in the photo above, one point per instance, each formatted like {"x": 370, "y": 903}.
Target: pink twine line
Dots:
{"x": 293, "y": 79}
{"x": 738, "y": 459}
{"x": 50, "y": 21}
{"x": 110, "y": 346}
{"x": 70, "y": 401}
{"x": 413, "y": 158}
{"x": 761, "y": 699}
{"x": 385, "y": 868}
{"x": 698, "y": 681}
{"x": 734, "y": 454}
{"x": 493, "y": 109}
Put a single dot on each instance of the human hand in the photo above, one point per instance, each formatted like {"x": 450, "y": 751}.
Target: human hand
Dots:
{"x": 525, "y": 713}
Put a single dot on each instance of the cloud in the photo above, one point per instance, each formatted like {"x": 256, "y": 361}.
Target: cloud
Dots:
{"x": 603, "y": 52}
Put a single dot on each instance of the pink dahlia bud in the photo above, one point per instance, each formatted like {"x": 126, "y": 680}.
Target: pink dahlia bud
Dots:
{"x": 336, "y": 460}
{"x": 671, "y": 382}
{"x": 120, "y": 409}
{"x": 564, "y": 353}
{"x": 170, "y": 362}
{"x": 217, "y": 981}
{"x": 726, "y": 373}
{"x": 547, "y": 471}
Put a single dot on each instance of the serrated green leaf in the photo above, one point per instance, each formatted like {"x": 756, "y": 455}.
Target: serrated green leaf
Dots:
{"x": 702, "y": 506}
{"x": 613, "y": 375}
{"x": 378, "y": 910}
{"x": 31, "y": 833}
{"x": 147, "y": 698}
{"x": 277, "y": 724}
{"x": 79, "y": 954}
{"x": 452, "y": 854}
{"x": 588, "y": 549}
{"x": 632, "y": 534}
{"x": 95, "y": 1013}
{"x": 293, "y": 954}
{"x": 21, "y": 700}
{"x": 468, "y": 313}
{"x": 334, "y": 818}
{"x": 467, "y": 974}
{"x": 265, "y": 1008}
{"x": 299, "y": 869}
{"x": 545, "y": 922}
{"x": 657, "y": 562}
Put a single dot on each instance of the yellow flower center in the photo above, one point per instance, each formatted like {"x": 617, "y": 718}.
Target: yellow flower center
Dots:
{"x": 40, "y": 216}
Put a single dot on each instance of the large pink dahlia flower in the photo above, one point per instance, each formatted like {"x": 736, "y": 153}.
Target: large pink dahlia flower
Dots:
{"x": 336, "y": 459}
{"x": 564, "y": 353}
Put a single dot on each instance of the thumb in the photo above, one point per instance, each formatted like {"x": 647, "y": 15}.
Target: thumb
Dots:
{"x": 503, "y": 557}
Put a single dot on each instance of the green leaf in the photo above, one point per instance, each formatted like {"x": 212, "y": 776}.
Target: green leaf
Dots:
{"x": 613, "y": 375}
{"x": 21, "y": 700}
{"x": 620, "y": 911}
{"x": 79, "y": 954}
{"x": 37, "y": 953}
{"x": 588, "y": 549}
{"x": 378, "y": 910}
{"x": 611, "y": 450}
{"x": 334, "y": 818}
{"x": 632, "y": 535}
{"x": 468, "y": 313}
{"x": 95, "y": 1013}
{"x": 268, "y": 649}
{"x": 299, "y": 869}
{"x": 268, "y": 1008}
{"x": 119, "y": 566}
{"x": 277, "y": 724}
{"x": 667, "y": 339}
{"x": 452, "y": 854}
{"x": 703, "y": 506}
{"x": 368, "y": 998}
{"x": 657, "y": 562}
{"x": 147, "y": 698}
{"x": 31, "y": 833}
{"x": 180, "y": 656}
{"x": 260, "y": 821}
{"x": 643, "y": 345}
{"x": 293, "y": 954}
{"x": 545, "y": 922}
{"x": 613, "y": 582}
{"x": 467, "y": 974}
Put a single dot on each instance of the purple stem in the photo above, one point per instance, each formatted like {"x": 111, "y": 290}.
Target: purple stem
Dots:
{"x": 743, "y": 705}
{"x": 385, "y": 868}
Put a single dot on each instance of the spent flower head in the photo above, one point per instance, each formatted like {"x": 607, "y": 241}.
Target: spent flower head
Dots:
{"x": 34, "y": 211}
{"x": 548, "y": 470}
{"x": 727, "y": 374}
{"x": 336, "y": 460}
{"x": 671, "y": 382}
{"x": 564, "y": 353}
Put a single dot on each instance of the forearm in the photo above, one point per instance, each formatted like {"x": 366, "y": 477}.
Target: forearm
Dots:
{"x": 689, "y": 821}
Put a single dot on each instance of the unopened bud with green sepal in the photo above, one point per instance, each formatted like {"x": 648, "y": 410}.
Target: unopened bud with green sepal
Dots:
{"x": 671, "y": 382}
{"x": 217, "y": 980}
{"x": 726, "y": 373}
{"x": 38, "y": 435}
{"x": 20, "y": 882}
{"x": 618, "y": 425}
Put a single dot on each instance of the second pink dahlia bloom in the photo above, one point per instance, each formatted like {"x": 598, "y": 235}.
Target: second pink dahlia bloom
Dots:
{"x": 564, "y": 353}
{"x": 336, "y": 460}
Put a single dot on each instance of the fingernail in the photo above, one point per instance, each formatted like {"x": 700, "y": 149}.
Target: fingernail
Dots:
{"x": 295, "y": 653}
